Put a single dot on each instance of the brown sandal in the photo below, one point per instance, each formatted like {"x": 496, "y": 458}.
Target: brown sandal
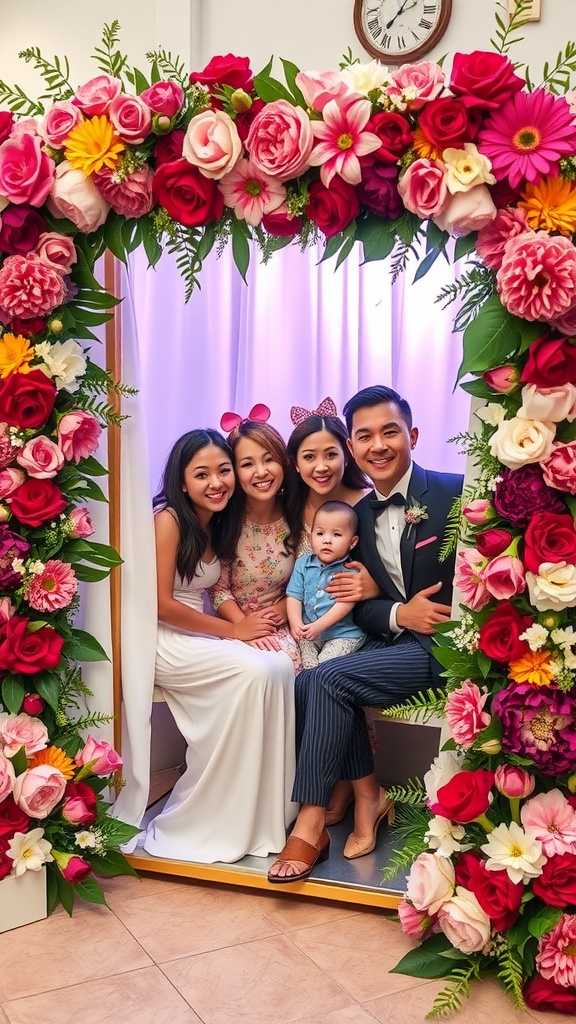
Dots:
{"x": 299, "y": 849}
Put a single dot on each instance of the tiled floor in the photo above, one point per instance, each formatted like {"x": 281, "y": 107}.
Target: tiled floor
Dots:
{"x": 181, "y": 952}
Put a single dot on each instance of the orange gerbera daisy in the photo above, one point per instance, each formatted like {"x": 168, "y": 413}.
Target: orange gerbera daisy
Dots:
{"x": 55, "y": 757}
{"x": 424, "y": 148}
{"x": 92, "y": 145}
{"x": 15, "y": 354}
{"x": 550, "y": 204}
{"x": 533, "y": 668}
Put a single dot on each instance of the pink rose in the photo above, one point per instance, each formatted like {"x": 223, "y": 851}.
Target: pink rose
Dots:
{"x": 130, "y": 197}
{"x": 560, "y": 467}
{"x": 76, "y": 197}
{"x": 537, "y": 277}
{"x": 430, "y": 882}
{"x": 465, "y": 715}
{"x": 515, "y": 783}
{"x": 280, "y": 140}
{"x": 28, "y": 287}
{"x": 10, "y": 480}
{"x": 425, "y": 79}
{"x": 60, "y": 119}
{"x": 95, "y": 96}
{"x": 164, "y": 98}
{"x": 131, "y": 118}
{"x": 26, "y": 126}
{"x": 81, "y": 523}
{"x": 414, "y": 923}
{"x": 551, "y": 405}
{"x": 504, "y": 577}
{"x": 469, "y": 578}
{"x": 319, "y": 87}
{"x": 80, "y": 804}
{"x": 56, "y": 251}
{"x": 22, "y": 731}
{"x": 7, "y": 777}
{"x": 7, "y": 610}
{"x": 423, "y": 188}
{"x": 466, "y": 212}
{"x": 212, "y": 143}
{"x": 78, "y": 434}
{"x": 492, "y": 238}
{"x": 478, "y": 512}
{"x": 40, "y": 457}
{"x": 105, "y": 758}
{"x": 73, "y": 869}
{"x": 26, "y": 172}
{"x": 38, "y": 790}
{"x": 503, "y": 379}
{"x": 464, "y": 922}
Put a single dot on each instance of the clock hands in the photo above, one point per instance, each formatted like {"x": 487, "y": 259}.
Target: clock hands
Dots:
{"x": 400, "y": 11}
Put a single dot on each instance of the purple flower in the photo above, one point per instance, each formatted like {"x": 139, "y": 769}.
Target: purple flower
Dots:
{"x": 521, "y": 493}
{"x": 538, "y": 722}
{"x": 11, "y": 546}
{"x": 378, "y": 190}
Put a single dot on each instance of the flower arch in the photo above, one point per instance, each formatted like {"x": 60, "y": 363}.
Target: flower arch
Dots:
{"x": 473, "y": 163}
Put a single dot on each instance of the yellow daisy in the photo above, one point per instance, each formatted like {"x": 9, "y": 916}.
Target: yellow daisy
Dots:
{"x": 550, "y": 205}
{"x": 55, "y": 757}
{"x": 92, "y": 145}
{"x": 15, "y": 354}
{"x": 424, "y": 148}
{"x": 533, "y": 668}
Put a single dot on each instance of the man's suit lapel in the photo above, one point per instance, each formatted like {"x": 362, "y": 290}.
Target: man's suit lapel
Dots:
{"x": 372, "y": 559}
{"x": 417, "y": 488}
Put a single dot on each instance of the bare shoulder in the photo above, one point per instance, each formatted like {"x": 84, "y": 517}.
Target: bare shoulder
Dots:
{"x": 166, "y": 525}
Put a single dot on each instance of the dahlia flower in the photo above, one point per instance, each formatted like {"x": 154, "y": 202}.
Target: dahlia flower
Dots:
{"x": 556, "y": 956}
{"x": 537, "y": 277}
{"x": 538, "y": 722}
{"x": 28, "y": 287}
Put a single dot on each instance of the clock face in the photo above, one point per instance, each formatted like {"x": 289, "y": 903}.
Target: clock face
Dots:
{"x": 398, "y": 30}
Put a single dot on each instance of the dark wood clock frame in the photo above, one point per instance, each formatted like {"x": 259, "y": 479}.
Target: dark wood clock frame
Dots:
{"x": 418, "y": 51}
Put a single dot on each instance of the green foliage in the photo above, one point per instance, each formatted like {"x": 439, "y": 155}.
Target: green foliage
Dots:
{"x": 170, "y": 67}
{"x": 420, "y": 707}
{"x": 475, "y": 287}
{"x": 184, "y": 244}
{"x": 108, "y": 58}
{"x": 413, "y": 793}
{"x": 18, "y": 102}
{"x": 557, "y": 79}
{"x": 56, "y": 74}
{"x": 431, "y": 959}
{"x": 410, "y": 824}
{"x": 505, "y": 33}
{"x": 452, "y": 530}
{"x": 450, "y": 998}
{"x": 511, "y": 974}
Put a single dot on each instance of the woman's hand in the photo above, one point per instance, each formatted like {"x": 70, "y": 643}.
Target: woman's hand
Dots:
{"x": 279, "y": 611}
{"x": 357, "y": 585}
{"x": 267, "y": 643}
{"x": 254, "y": 626}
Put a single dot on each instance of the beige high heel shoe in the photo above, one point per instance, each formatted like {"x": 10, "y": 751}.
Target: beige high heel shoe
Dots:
{"x": 360, "y": 847}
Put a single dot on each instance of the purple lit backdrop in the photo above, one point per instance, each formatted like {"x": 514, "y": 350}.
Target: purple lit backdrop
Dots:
{"x": 298, "y": 332}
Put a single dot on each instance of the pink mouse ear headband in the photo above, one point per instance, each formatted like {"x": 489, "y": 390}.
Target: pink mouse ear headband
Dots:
{"x": 230, "y": 420}
{"x": 327, "y": 407}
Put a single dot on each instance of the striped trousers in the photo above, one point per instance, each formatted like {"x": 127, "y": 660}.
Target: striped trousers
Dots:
{"x": 331, "y": 734}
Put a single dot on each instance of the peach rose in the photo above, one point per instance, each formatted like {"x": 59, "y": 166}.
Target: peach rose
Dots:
{"x": 554, "y": 588}
{"x": 466, "y": 212}
{"x": 62, "y": 117}
{"x": 424, "y": 81}
{"x": 280, "y": 140}
{"x": 7, "y": 776}
{"x": 560, "y": 467}
{"x": 212, "y": 143}
{"x": 41, "y": 458}
{"x": 22, "y": 731}
{"x": 56, "y": 251}
{"x": 423, "y": 188}
{"x": 550, "y": 404}
{"x": 10, "y": 480}
{"x": 430, "y": 882}
{"x": 464, "y": 922}
{"x": 76, "y": 197}
{"x": 520, "y": 441}
{"x": 38, "y": 790}
{"x": 131, "y": 118}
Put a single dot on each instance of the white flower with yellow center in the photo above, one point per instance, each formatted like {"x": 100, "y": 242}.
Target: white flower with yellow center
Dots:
{"x": 466, "y": 168}
{"x": 515, "y": 850}
{"x": 535, "y": 636}
{"x": 86, "y": 840}
{"x": 29, "y": 851}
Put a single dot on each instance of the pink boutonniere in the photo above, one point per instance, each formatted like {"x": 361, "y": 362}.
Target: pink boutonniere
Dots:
{"x": 414, "y": 513}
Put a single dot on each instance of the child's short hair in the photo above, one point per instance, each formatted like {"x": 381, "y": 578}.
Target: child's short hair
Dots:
{"x": 343, "y": 508}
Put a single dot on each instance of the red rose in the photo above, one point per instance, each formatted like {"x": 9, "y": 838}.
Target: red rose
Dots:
{"x": 6, "y": 862}
{"x": 33, "y": 704}
{"x": 446, "y": 122}
{"x": 21, "y": 651}
{"x": 334, "y": 208}
{"x": 500, "y": 636}
{"x": 26, "y": 399}
{"x": 498, "y": 896}
{"x": 281, "y": 224}
{"x": 484, "y": 79}
{"x": 544, "y": 994}
{"x": 491, "y": 543}
{"x": 244, "y": 119}
{"x": 169, "y": 147}
{"x": 6, "y": 124}
{"x": 549, "y": 537}
{"x": 12, "y": 819}
{"x": 228, "y": 70}
{"x": 394, "y": 133}
{"x": 188, "y": 196}
{"x": 18, "y": 325}
{"x": 551, "y": 361}
{"x": 36, "y": 501}
{"x": 556, "y": 886}
{"x": 465, "y": 797}
{"x": 20, "y": 229}
{"x": 74, "y": 869}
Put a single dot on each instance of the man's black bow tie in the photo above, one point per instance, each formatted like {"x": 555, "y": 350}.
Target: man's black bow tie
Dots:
{"x": 394, "y": 499}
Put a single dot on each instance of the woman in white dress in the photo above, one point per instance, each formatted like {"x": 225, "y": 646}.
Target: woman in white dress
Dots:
{"x": 232, "y": 703}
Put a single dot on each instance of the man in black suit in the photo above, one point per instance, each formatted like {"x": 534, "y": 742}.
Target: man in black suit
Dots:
{"x": 399, "y": 544}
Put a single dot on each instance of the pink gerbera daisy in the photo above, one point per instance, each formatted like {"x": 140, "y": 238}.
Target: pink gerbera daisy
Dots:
{"x": 552, "y": 820}
{"x": 52, "y": 588}
{"x": 556, "y": 957}
{"x": 526, "y": 138}
{"x": 251, "y": 193}
{"x": 342, "y": 140}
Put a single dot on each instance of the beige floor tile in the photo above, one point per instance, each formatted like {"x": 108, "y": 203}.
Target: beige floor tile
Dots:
{"x": 3, "y": 1017}
{"x": 265, "y": 982}
{"x": 64, "y": 951}
{"x": 191, "y": 919}
{"x": 487, "y": 1004}
{"x": 139, "y": 997}
{"x": 288, "y": 912}
{"x": 127, "y": 887}
{"x": 358, "y": 953}
{"x": 350, "y": 1015}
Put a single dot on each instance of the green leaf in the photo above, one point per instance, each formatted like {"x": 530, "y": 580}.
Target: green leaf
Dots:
{"x": 112, "y": 864}
{"x": 48, "y": 686}
{"x": 464, "y": 246}
{"x": 206, "y": 243}
{"x": 86, "y": 316}
{"x": 426, "y": 961}
{"x": 377, "y": 237}
{"x": 92, "y": 467}
{"x": 51, "y": 892}
{"x": 65, "y": 891}
{"x": 113, "y": 236}
{"x": 240, "y": 248}
{"x": 478, "y": 388}
{"x": 269, "y": 89}
{"x": 87, "y": 575}
{"x": 447, "y": 656}
{"x": 90, "y": 489}
{"x": 90, "y": 891}
{"x": 139, "y": 80}
{"x": 484, "y": 663}
{"x": 345, "y": 251}
{"x": 84, "y": 647}
{"x": 19, "y": 761}
{"x": 544, "y": 920}
{"x": 435, "y": 237}
{"x": 101, "y": 554}
{"x": 425, "y": 264}
{"x": 12, "y": 694}
{"x": 492, "y": 338}
{"x": 290, "y": 72}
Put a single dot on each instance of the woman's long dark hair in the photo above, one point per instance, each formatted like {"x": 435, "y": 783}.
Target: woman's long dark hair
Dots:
{"x": 225, "y": 525}
{"x": 296, "y": 490}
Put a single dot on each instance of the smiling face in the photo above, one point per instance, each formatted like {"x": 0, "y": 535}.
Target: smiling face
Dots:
{"x": 381, "y": 442}
{"x": 332, "y": 536}
{"x": 320, "y": 462}
{"x": 209, "y": 481}
{"x": 259, "y": 472}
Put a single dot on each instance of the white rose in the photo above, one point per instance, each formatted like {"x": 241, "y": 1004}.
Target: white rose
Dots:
{"x": 444, "y": 767}
{"x": 520, "y": 441}
{"x": 549, "y": 404}
{"x": 430, "y": 882}
{"x": 366, "y": 78}
{"x": 466, "y": 168}
{"x": 493, "y": 413}
{"x": 464, "y": 922}
{"x": 65, "y": 362}
{"x": 554, "y": 588}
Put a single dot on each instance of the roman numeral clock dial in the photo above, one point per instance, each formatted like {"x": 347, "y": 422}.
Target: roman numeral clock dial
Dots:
{"x": 400, "y": 31}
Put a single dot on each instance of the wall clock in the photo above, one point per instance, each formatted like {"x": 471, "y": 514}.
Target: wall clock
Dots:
{"x": 400, "y": 31}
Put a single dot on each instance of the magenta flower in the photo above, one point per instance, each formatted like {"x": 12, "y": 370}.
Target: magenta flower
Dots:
{"x": 552, "y": 820}
{"x": 342, "y": 140}
{"x": 526, "y": 138}
{"x": 251, "y": 193}
{"x": 537, "y": 277}
{"x": 53, "y": 588}
{"x": 556, "y": 956}
{"x": 538, "y": 722}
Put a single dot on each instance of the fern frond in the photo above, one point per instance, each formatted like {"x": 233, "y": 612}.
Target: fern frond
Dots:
{"x": 505, "y": 33}
{"x": 184, "y": 244}
{"x": 100, "y": 381}
{"x": 400, "y": 258}
{"x": 110, "y": 60}
{"x": 18, "y": 102}
{"x": 450, "y": 998}
{"x": 557, "y": 78}
{"x": 102, "y": 410}
{"x": 419, "y": 707}
{"x": 93, "y": 720}
{"x": 58, "y": 86}
{"x": 171, "y": 67}
{"x": 475, "y": 286}
{"x": 452, "y": 530}
{"x": 412, "y": 794}
{"x": 511, "y": 975}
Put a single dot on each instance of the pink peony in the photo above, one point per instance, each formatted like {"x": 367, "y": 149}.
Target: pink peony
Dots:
{"x": 53, "y": 588}
{"x": 22, "y": 731}
{"x": 38, "y": 790}
{"x": 423, "y": 188}
{"x": 464, "y": 922}
{"x": 465, "y": 715}
{"x": 492, "y": 238}
{"x": 130, "y": 197}
{"x": 550, "y": 404}
{"x": 552, "y": 821}
{"x": 212, "y": 143}
{"x": 556, "y": 958}
{"x": 566, "y": 323}
{"x": 469, "y": 578}
{"x": 7, "y": 776}
{"x": 41, "y": 458}
{"x": 423, "y": 82}
{"x": 10, "y": 480}
{"x": 319, "y": 87}
{"x": 503, "y": 577}
{"x": 28, "y": 287}
{"x": 78, "y": 435}
{"x": 105, "y": 758}
{"x": 95, "y": 96}
{"x": 515, "y": 783}
{"x": 165, "y": 98}
{"x": 26, "y": 172}
{"x": 560, "y": 467}
{"x": 60, "y": 119}
{"x": 80, "y": 523}
{"x": 130, "y": 118}
{"x": 56, "y": 251}
{"x": 466, "y": 212}
{"x": 430, "y": 882}
{"x": 280, "y": 140}
{"x": 341, "y": 140}
{"x": 537, "y": 277}
{"x": 250, "y": 193}
{"x": 76, "y": 197}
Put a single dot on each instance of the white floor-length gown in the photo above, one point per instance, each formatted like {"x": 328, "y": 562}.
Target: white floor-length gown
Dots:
{"x": 234, "y": 705}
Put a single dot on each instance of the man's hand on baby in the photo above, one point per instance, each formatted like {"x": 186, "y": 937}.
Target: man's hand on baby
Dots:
{"x": 352, "y": 586}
